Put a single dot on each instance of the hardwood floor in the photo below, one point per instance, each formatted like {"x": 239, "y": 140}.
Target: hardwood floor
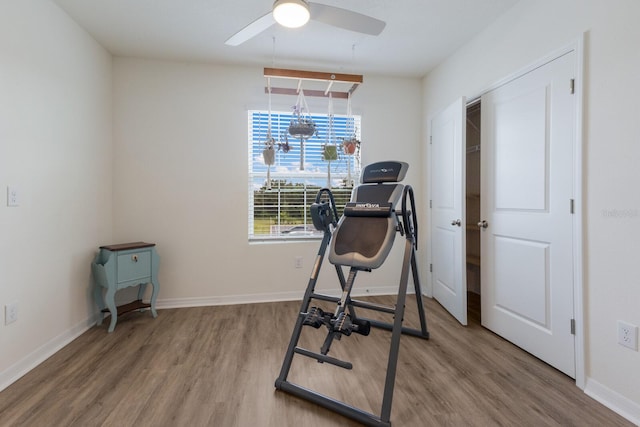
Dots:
{"x": 216, "y": 366}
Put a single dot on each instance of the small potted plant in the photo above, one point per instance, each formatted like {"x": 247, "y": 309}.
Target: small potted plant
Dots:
{"x": 269, "y": 153}
{"x": 269, "y": 156}
{"x": 329, "y": 153}
{"x": 350, "y": 145}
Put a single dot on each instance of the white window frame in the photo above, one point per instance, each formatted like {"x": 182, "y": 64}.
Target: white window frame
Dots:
{"x": 287, "y": 169}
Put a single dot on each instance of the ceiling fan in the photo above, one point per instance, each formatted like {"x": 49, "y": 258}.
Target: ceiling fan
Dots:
{"x": 296, "y": 13}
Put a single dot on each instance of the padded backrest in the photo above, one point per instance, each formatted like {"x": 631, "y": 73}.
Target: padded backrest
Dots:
{"x": 365, "y": 233}
{"x": 389, "y": 171}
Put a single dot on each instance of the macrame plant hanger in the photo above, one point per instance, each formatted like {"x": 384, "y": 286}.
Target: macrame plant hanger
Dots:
{"x": 329, "y": 150}
{"x": 301, "y": 126}
{"x": 350, "y": 143}
{"x": 269, "y": 153}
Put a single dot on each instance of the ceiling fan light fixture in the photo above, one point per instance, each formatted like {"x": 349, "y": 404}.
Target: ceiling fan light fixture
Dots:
{"x": 291, "y": 13}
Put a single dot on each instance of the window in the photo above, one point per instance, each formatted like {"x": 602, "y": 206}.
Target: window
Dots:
{"x": 281, "y": 210}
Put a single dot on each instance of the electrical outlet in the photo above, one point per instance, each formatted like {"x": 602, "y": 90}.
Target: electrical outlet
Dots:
{"x": 10, "y": 313}
{"x": 297, "y": 262}
{"x": 628, "y": 335}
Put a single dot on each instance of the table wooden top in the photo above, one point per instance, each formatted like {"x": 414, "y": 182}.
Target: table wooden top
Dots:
{"x": 127, "y": 246}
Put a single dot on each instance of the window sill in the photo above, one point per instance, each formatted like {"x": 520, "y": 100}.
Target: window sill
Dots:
{"x": 288, "y": 239}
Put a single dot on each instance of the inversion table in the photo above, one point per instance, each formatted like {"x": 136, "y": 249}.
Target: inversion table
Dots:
{"x": 361, "y": 241}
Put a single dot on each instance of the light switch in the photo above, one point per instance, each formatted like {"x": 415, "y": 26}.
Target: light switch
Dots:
{"x": 13, "y": 196}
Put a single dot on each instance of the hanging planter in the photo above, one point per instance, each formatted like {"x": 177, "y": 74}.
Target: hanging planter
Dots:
{"x": 329, "y": 153}
{"x": 329, "y": 149}
{"x": 349, "y": 146}
{"x": 269, "y": 155}
{"x": 301, "y": 126}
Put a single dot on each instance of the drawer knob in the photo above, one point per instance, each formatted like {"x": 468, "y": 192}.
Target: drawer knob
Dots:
{"x": 134, "y": 258}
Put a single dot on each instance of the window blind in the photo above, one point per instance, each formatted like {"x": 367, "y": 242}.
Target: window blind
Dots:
{"x": 279, "y": 209}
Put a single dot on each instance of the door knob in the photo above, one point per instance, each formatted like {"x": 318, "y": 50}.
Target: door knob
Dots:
{"x": 456, "y": 222}
{"x": 483, "y": 224}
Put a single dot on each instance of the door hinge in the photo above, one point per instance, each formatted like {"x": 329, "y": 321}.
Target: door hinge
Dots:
{"x": 430, "y": 139}
{"x": 572, "y": 206}
{"x": 430, "y": 268}
{"x": 572, "y": 86}
{"x": 573, "y": 326}
{"x": 430, "y": 204}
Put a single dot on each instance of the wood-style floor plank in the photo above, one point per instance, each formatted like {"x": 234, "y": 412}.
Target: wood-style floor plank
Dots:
{"x": 216, "y": 366}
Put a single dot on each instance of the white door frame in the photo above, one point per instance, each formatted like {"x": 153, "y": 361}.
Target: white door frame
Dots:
{"x": 578, "y": 229}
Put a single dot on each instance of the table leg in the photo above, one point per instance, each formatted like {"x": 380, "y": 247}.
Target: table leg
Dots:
{"x": 154, "y": 294}
{"x": 142, "y": 287}
{"x": 97, "y": 297}
{"x": 111, "y": 305}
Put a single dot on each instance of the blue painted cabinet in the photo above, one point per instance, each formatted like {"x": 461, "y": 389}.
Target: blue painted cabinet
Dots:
{"x": 121, "y": 266}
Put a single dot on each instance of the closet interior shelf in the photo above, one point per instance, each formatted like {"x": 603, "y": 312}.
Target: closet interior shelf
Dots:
{"x": 473, "y": 149}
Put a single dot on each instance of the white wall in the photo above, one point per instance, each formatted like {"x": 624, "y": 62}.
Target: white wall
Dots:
{"x": 55, "y": 146}
{"x": 172, "y": 123}
{"x": 528, "y": 32}
{"x": 180, "y": 136}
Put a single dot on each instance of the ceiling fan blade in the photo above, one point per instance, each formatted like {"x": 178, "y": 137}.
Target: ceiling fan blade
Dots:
{"x": 346, "y": 19}
{"x": 251, "y": 30}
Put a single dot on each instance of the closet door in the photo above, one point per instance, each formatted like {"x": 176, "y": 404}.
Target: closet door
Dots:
{"x": 448, "y": 219}
{"x": 527, "y": 188}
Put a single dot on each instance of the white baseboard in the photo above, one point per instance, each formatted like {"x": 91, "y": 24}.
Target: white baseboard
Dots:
{"x": 16, "y": 371}
{"x": 267, "y": 297}
{"x": 614, "y": 401}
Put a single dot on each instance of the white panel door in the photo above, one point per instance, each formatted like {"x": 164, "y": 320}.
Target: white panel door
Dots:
{"x": 448, "y": 242}
{"x": 527, "y": 187}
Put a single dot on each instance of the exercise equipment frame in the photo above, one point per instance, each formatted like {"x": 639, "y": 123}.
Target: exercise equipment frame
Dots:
{"x": 326, "y": 218}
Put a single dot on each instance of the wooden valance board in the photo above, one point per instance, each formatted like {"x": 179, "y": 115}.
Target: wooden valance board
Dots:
{"x": 354, "y": 80}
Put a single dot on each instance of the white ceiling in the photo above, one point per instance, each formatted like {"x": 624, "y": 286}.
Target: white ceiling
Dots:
{"x": 418, "y": 35}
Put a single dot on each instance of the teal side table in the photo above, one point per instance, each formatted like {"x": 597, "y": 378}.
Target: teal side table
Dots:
{"x": 121, "y": 266}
